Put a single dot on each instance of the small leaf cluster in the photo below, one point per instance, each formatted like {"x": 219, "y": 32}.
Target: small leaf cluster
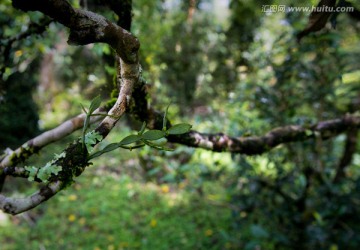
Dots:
{"x": 90, "y": 140}
{"x": 45, "y": 172}
{"x": 86, "y": 138}
{"x": 154, "y": 138}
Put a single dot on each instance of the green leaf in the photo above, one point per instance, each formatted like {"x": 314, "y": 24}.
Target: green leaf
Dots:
{"x": 130, "y": 139}
{"x": 45, "y": 172}
{"x": 164, "y": 148}
{"x": 142, "y": 128}
{"x": 32, "y": 172}
{"x": 112, "y": 147}
{"x": 158, "y": 147}
{"x": 92, "y": 138}
{"x": 308, "y": 132}
{"x": 108, "y": 148}
{"x": 258, "y": 231}
{"x": 171, "y": 177}
{"x": 179, "y": 129}
{"x": 85, "y": 126}
{"x": 83, "y": 108}
{"x": 160, "y": 142}
{"x": 133, "y": 147}
{"x": 95, "y": 103}
{"x": 58, "y": 156}
{"x": 153, "y": 135}
{"x": 154, "y": 171}
{"x": 165, "y": 118}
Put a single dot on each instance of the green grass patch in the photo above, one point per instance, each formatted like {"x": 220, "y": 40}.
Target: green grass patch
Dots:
{"x": 118, "y": 213}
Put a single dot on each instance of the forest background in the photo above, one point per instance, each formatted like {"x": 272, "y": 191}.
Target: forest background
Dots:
{"x": 227, "y": 67}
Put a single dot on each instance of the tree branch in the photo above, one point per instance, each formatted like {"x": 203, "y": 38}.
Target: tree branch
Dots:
{"x": 18, "y": 205}
{"x": 253, "y": 145}
{"x": 129, "y": 77}
{"x": 34, "y": 145}
{"x": 259, "y": 144}
{"x": 85, "y": 27}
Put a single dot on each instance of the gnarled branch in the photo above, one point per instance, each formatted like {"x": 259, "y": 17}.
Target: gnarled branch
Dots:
{"x": 254, "y": 145}
{"x": 85, "y": 27}
{"x": 44, "y": 139}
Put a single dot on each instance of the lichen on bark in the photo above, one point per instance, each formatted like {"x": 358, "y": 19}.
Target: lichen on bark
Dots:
{"x": 73, "y": 164}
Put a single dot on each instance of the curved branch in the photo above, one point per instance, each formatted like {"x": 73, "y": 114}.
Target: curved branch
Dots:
{"x": 88, "y": 27}
{"x": 252, "y": 145}
{"x": 259, "y": 144}
{"x": 85, "y": 27}
{"x": 18, "y": 205}
{"x": 34, "y": 145}
{"x": 129, "y": 77}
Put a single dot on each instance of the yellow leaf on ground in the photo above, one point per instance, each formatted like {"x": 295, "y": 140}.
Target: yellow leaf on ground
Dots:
{"x": 209, "y": 232}
{"x": 72, "y": 217}
{"x": 153, "y": 223}
{"x": 165, "y": 188}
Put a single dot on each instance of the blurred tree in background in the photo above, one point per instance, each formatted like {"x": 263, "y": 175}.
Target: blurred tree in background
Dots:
{"x": 226, "y": 66}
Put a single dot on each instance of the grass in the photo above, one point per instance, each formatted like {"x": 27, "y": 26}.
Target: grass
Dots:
{"x": 103, "y": 211}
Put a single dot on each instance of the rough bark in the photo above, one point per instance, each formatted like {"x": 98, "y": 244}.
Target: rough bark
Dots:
{"x": 85, "y": 27}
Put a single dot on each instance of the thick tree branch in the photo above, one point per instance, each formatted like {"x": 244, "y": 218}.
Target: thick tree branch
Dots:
{"x": 129, "y": 77}
{"x": 34, "y": 145}
{"x": 18, "y": 205}
{"x": 85, "y": 27}
{"x": 123, "y": 11}
{"x": 253, "y": 145}
{"x": 259, "y": 144}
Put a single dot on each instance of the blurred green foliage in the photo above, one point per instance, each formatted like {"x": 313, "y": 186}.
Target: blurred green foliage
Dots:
{"x": 18, "y": 66}
{"x": 117, "y": 213}
{"x": 231, "y": 68}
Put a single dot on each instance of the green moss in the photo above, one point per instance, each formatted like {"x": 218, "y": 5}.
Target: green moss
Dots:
{"x": 73, "y": 164}
{"x": 114, "y": 93}
{"x": 139, "y": 103}
{"x": 109, "y": 104}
